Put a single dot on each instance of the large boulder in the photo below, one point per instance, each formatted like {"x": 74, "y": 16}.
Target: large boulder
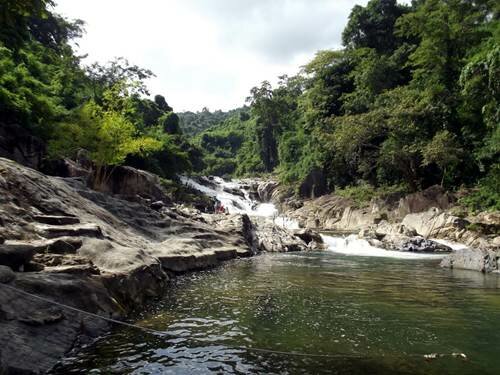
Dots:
{"x": 434, "y": 223}
{"x": 18, "y": 144}
{"x": 483, "y": 260}
{"x": 265, "y": 190}
{"x": 314, "y": 185}
{"x": 435, "y": 196}
{"x": 128, "y": 181}
{"x": 421, "y": 245}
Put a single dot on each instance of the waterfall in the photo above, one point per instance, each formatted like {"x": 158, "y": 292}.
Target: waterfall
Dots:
{"x": 240, "y": 203}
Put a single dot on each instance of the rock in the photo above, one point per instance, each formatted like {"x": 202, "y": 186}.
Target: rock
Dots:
{"x": 56, "y": 220}
{"x": 64, "y": 245}
{"x": 83, "y": 230}
{"x": 33, "y": 267}
{"x": 314, "y": 185}
{"x": 420, "y": 244}
{"x": 433, "y": 223}
{"x": 42, "y": 317}
{"x": 16, "y": 255}
{"x": 308, "y": 236}
{"x": 18, "y": 144}
{"x": 435, "y": 196}
{"x": 130, "y": 181}
{"x": 158, "y": 205}
{"x": 2, "y": 240}
{"x": 233, "y": 191}
{"x": 265, "y": 190}
{"x": 82, "y": 168}
{"x": 6, "y": 275}
{"x": 482, "y": 260}
{"x": 80, "y": 269}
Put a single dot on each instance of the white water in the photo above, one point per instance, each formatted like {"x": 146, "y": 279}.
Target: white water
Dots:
{"x": 453, "y": 245}
{"x": 236, "y": 204}
{"x": 350, "y": 245}
{"x": 353, "y": 245}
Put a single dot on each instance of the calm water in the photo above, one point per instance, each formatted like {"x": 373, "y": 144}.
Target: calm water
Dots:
{"x": 371, "y": 315}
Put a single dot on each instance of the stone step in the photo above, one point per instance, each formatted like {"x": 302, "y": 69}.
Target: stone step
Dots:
{"x": 56, "y": 220}
{"x": 82, "y": 230}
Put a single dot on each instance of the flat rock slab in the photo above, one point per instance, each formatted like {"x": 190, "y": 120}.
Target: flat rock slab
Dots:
{"x": 56, "y": 220}
{"x": 84, "y": 230}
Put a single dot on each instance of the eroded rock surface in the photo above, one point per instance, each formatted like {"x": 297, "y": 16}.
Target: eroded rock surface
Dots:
{"x": 405, "y": 223}
{"x": 102, "y": 253}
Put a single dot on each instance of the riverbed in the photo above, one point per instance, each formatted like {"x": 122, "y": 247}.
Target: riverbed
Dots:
{"x": 311, "y": 313}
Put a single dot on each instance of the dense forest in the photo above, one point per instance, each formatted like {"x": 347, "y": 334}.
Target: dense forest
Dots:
{"x": 193, "y": 123}
{"x": 411, "y": 100}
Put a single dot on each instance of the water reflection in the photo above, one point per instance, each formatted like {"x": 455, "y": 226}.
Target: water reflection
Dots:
{"x": 372, "y": 315}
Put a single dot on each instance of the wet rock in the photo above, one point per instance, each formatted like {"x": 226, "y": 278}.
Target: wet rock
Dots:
{"x": 6, "y": 275}
{"x": 234, "y": 191}
{"x": 482, "y": 260}
{"x": 420, "y": 244}
{"x": 308, "y": 236}
{"x": 266, "y": 189}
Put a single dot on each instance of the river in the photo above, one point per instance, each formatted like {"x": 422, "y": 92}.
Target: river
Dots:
{"x": 349, "y": 310}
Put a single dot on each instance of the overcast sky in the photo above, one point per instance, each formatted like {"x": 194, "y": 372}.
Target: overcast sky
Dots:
{"x": 209, "y": 52}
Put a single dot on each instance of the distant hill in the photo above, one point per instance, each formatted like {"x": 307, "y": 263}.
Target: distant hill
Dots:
{"x": 194, "y": 123}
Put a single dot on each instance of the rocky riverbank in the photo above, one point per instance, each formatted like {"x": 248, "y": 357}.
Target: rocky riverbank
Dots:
{"x": 105, "y": 253}
{"x": 405, "y": 223}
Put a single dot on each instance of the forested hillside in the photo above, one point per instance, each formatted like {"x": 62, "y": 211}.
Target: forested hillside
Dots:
{"x": 46, "y": 92}
{"x": 193, "y": 123}
{"x": 411, "y": 100}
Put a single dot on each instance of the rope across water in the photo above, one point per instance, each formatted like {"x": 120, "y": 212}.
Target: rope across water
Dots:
{"x": 245, "y": 348}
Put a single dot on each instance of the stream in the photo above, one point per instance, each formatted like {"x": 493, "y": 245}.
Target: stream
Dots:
{"x": 352, "y": 309}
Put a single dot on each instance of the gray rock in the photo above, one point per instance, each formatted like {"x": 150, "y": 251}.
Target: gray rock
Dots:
{"x": 56, "y": 220}
{"x": 15, "y": 256}
{"x": 64, "y": 245}
{"x": 482, "y": 260}
{"x": 419, "y": 244}
{"x": 158, "y": 205}
{"x": 81, "y": 230}
{"x": 308, "y": 236}
{"x": 6, "y": 275}
{"x": 314, "y": 185}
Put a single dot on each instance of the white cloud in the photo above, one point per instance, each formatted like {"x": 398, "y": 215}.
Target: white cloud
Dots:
{"x": 209, "y": 52}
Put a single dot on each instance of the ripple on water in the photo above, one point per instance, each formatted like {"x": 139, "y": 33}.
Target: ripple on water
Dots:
{"x": 373, "y": 315}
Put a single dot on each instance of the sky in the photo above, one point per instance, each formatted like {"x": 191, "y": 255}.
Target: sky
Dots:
{"x": 209, "y": 53}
